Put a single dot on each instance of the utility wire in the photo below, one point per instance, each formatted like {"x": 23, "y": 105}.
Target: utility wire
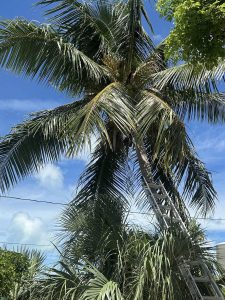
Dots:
{"x": 66, "y": 204}
{"x": 21, "y": 244}
{"x": 33, "y": 200}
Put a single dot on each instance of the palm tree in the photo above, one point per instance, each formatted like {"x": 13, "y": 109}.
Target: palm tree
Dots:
{"x": 126, "y": 94}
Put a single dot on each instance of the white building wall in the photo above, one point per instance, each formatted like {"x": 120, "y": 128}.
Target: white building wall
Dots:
{"x": 220, "y": 253}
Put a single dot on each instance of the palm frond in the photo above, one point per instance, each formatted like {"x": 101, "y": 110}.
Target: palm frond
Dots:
{"x": 97, "y": 210}
{"x": 198, "y": 187}
{"x": 63, "y": 283}
{"x": 111, "y": 103}
{"x": 99, "y": 287}
{"x": 154, "y": 64}
{"x": 93, "y": 231}
{"x": 33, "y": 143}
{"x": 149, "y": 265}
{"x": 91, "y": 26}
{"x": 36, "y": 261}
{"x": 171, "y": 146}
{"x": 39, "y": 51}
{"x": 202, "y": 106}
{"x": 104, "y": 175}
{"x": 152, "y": 110}
{"x": 64, "y": 130}
{"x": 135, "y": 43}
{"x": 186, "y": 76}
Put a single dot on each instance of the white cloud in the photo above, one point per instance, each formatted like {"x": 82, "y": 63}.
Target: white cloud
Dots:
{"x": 50, "y": 177}
{"x": 26, "y": 105}
{"x": 214, "y": 224}
{"x": 28, "y": 230}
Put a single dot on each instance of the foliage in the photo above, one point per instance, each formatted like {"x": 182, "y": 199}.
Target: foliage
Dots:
{"x": 17, "y": 271}
{"x": 13, "y": 266}
{"x": 146, "y": 267}
{"x": 104, "y": 257}
{"x": 100, "y": 52}
{"x": 198, "y": 35}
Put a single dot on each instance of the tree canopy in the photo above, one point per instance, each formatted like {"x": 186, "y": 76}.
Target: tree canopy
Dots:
{"x": 18, "y": 270}
{"x": 13, "y": 266}
{"x": 198, "y": 35}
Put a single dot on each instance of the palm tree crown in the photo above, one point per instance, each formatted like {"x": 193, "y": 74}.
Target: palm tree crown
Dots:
{"x": 129, "y": 97}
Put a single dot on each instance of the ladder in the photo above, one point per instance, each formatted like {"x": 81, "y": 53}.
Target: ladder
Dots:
{"x": 196, "y": 274}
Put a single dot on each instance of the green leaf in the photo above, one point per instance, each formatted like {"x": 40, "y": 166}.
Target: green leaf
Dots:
{"x": 187, "y": 76}
{"x": 41, "y": 52}
{"x": 33, "y": 143}
{"x": 171, "y": 147}
{"x": 111, "y": 103}
{"x": 100, "y": 288}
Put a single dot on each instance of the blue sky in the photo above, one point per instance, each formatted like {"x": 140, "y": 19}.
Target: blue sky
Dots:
{"x": 25, "y": 222}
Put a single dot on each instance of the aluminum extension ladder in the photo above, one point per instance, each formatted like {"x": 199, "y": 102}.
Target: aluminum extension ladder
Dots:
{"x": 201, "y": 286}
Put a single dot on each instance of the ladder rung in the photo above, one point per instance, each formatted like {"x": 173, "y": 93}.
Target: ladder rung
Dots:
{"x": 160, "y": 196}
{"x": 202, "y": 279}
{"x": 164, "y": 207}
{"x": 171, "y": 218}
{"x": 194, "y": 263}
{"x": 154, "y": 186}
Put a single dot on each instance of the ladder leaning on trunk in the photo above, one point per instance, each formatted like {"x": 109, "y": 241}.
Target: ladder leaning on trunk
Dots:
{"x": 203, "y": 286}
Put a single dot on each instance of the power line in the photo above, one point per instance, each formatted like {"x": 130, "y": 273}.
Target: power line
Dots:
{"x": 21, "y": 244}
{"x": 66, "y": 204}
{"x": 33, "y": 200}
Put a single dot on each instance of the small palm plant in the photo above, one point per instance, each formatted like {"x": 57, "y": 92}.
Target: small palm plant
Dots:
{"x": 142, "y": 265}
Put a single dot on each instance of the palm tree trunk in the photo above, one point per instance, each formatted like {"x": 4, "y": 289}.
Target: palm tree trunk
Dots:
{"x": 145, "y": 165}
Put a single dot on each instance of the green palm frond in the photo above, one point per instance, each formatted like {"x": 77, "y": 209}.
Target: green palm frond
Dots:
{"x": 39, "y": 51}
{"x": 186, "y": 76}
{"x": 64, "y": 130}
{"x": 146, "y": 267}
{"x": 111, "y": 103}
{"x": 93, "y": 231}
{"x": 154, "y": 64}
{"x": 100, "y": 288}
{"x": 35, "y": 142}
{"x": 171, "y": 146}
{"x": 202, "y": 106}
{"x": 62, "y": 283}
{"x": 92, "y": 223}
{"x": 135, "y": 44}
{"x": 104, "y": 175}
{"x": 198, "y": 187}
{"x": 95, "y": 20}
{"x": 36, "y": 261}
{"x": 152, "y": 110}
{"x": 149, "y": 264}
